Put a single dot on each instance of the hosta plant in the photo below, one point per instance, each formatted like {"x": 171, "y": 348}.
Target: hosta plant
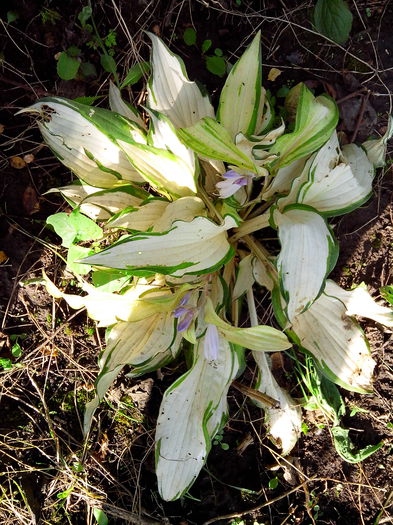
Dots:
{"x": 171, "y": 205}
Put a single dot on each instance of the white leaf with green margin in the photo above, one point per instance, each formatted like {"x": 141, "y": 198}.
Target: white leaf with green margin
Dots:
{"x": 159, "y": 215}
{"x": 244, "y": 278}
{"x": 166, "y": 172}
{"x": 117, "y": 104}
{"x": 195, "y": 247}
{"x": 308, "y": 253}
{"x": 240, "y": 99}
{"x": 360, "y": 303}
{"x": 284, "y": 422}
{"x": 333, "y": 182}
{"x": 184, "y": 209}
{"x": 108, "y": 308}
{"x": 83, "y": 138}
{"x": 141, "y": 218}
{"x": 376, "y": 148}
{"x": 316, "y": 118}
{"x": 211, "y": 140}
{"x": 284, "y": 178}
{"x": 96, "y": 203}
{"x": 336, "y": 341}
{"x": 171, "y": 92}
{"x": 261, "y": 338}
{"x": 263, "y": 273}
{"x": 265, "y": 115}
{"x": 191, "y": 413}
{"x": 139, "y": 344}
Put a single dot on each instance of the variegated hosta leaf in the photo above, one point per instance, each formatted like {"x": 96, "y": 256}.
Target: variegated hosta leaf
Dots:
{"x": 359, "y": 302}
{"x": 266, "y": 115}
{"x": 163, "y": 170}
{"x": 211, "y": 140}
{"x": 159, "y": 215}
{"x": 141, "y": 218}
{"x": 240, "y": 98}
{"x": 308, "y": 253}
{"x": 263, "y": 274}
{"x": 171, "y": 92}
{"x": 255, "y": 146}
{"x": 195, "y": 247}
{"x": 117, "y": 104}
{"x": 244, "y": 277}
{"x": 99, "y": 204}
{"x": 261, "y": 338}
{"x": 376, "y": 148}
{"x": 316, "y": 118}
{"x": 192, "y": 411}
{"x": 83, "y": 138}
{"x": 282, "y": 182}
{"x": 331, "y": 182}
{"x": 184, "y": 209}
{"x": 336, "y": 341}
{"x": 163, "y": 135}
{"x": 108, "y": 308}
{"x": 143, "y": 344}
{"x": 284, "y": 422}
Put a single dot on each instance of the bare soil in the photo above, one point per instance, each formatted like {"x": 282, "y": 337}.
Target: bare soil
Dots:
{"x": 47, "y": 474}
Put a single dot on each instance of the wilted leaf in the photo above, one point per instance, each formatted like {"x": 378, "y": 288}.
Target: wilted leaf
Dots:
{"x": 273, "y": 74}
{"x": 17, "y": 162}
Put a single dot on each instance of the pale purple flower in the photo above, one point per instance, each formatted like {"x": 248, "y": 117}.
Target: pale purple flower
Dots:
{"x": 185, "y": 314}
{"x": 211, "y": 343}
{"x": 233, "y": 181}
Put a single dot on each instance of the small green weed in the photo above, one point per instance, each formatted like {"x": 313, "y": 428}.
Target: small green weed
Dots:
{"x": 216, "y": 63}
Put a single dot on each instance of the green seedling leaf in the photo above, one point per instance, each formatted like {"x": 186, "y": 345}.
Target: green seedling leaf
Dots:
{"x": 135, "y": 73}
{"x": 84, "y": 15}
{"x": 189, "y": 36}
{"x": 216, "y": 65}
{"x": 218, "y": 52}
{"x": 88, "y": 70}
{"x": 273, "y": 483}
{"x": 100, "y": 516}
{"x": 110, "y": 39}
{"x": 387, "y": 293}
{"x": 346, "y": 449}
{"x": 108, "y": 63}
{"x": 65, "y": 493}
{"x": 333, "y": 19}
{"x": 12, "y": 16}
{"x": 16, "y": 350}
{"x": 283, "y": 92}
{"x": 74, "y": 227}
{"x": 73, "y": 51}
{"x": 355, "y": 410}
{"x": 206, "y": 45}
{"x": 74, "y": 254}
{"x": 67, "y": 66}
{"x": 5, "y": 363}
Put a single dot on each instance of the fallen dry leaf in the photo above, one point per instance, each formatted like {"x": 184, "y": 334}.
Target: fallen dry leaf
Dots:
{"x": 273, "y": 74}
{"x": 3, "y": 256}
{"x": 28, "y": 158}
{"x": 30, "y": 200}
{"x": 2, "y": 128}
{"x": 17, "y": 162}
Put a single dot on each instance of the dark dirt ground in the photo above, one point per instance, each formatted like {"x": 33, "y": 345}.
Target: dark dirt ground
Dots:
{"x": 42, "y": 396}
